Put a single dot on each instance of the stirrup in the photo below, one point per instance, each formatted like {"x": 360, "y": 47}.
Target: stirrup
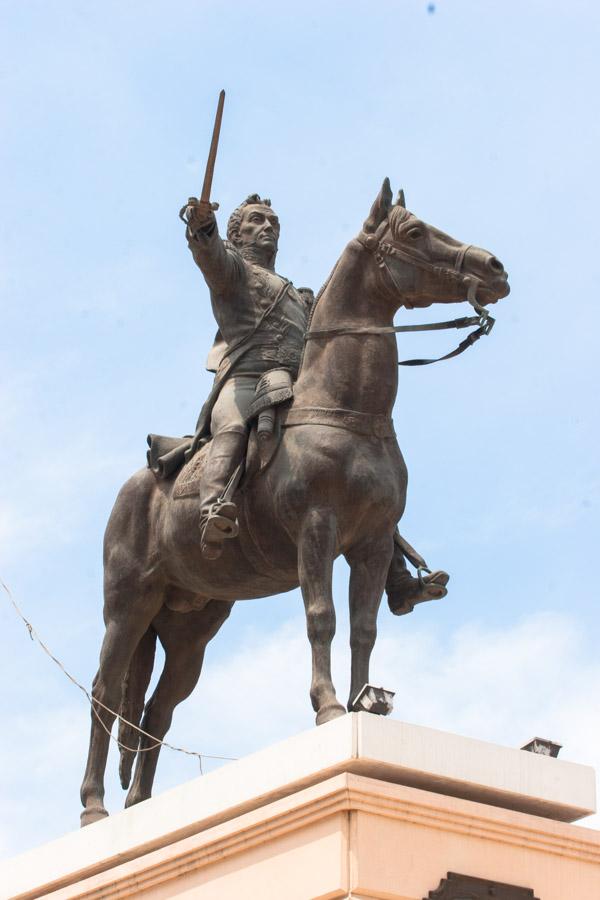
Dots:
{"x": 221, "y": 523}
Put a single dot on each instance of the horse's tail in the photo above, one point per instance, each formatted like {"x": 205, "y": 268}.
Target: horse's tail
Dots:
{"x": 135, "y": 685}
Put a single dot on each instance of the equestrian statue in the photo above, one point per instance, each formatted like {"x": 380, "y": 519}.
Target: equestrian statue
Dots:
{"x": 294, "y": 462}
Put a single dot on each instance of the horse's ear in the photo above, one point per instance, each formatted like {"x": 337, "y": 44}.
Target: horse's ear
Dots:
{"x": 380, "y": 209}
{"x": 401, "y": 201}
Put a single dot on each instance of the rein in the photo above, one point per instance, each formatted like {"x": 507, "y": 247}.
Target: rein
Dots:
{"x": 381, "y": 249}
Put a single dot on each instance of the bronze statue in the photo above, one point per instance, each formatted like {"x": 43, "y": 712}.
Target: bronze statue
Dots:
{"x": 326, "y": 478}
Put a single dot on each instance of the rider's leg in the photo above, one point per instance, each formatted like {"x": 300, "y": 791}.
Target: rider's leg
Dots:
{"x": 230, "y": 436}
{"x": 404, "y": 591}
{"x": 218, "y": 518}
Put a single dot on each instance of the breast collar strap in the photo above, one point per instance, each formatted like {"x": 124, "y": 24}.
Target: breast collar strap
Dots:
{"x": 380, "y": 249}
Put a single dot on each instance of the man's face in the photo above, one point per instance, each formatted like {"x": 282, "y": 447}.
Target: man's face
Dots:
{"x": 259, "y": 227}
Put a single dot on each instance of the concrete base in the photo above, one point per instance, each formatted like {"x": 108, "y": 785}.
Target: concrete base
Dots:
{"x": 361, "y": 807}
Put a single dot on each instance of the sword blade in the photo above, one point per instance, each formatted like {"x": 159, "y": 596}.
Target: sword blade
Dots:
{"x": 212, "y": 155}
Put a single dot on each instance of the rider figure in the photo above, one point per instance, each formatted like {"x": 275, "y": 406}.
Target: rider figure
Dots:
{"x": 260, "y": 315}
{"x": 262, "y": 319}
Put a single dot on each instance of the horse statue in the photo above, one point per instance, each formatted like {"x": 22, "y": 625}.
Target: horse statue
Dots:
{"x": 336, "y": 484}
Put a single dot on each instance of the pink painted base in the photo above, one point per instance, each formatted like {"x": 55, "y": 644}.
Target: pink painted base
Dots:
{"x": 358, "y": 837}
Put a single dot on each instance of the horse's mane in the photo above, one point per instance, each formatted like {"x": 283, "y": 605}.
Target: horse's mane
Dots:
{"x": 396, "y": 216}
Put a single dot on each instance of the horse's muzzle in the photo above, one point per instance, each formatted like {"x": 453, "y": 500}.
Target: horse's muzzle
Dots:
{"x": 493, "y": 289}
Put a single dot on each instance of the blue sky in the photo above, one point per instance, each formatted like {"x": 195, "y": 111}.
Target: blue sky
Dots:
{"x": 484, "y": 113}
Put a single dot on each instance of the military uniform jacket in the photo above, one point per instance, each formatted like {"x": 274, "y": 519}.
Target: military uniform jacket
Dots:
{"x": 241, "y": 292}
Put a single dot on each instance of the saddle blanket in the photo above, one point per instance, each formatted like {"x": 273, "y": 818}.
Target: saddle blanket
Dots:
{"x": 188, "y": 480}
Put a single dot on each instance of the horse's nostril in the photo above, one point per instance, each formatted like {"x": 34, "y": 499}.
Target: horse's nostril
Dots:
{"x": 495, "y": 264}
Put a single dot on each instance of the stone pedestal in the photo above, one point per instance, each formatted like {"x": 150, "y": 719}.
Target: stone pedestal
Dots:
{"x": 361, "y": 807}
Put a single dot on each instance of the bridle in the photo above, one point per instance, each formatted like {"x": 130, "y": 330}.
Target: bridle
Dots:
{"x": 374, "y": 244}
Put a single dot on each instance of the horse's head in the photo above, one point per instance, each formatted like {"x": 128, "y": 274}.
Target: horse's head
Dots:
{"x": 422, "y": 265}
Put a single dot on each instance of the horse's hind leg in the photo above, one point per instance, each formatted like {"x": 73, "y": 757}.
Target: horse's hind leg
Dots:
{"x": 369, "y": 563}
{"x": 129, "y": 610}
{"x": 316, "y": 550}
{"x": 184, "y": 637}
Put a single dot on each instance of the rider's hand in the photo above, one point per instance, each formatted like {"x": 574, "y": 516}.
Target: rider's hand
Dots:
{"x": 199, "y": 214}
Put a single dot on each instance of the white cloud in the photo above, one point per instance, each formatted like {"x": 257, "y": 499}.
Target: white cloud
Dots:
{"x": 498, "y": 684}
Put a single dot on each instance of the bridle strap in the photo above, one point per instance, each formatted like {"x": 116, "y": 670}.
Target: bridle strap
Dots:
{"x": 465, "y": 322}
{"x": 381, "y": 249}
{"x": 460, "y": 257}
{"x": 470, "y": 339}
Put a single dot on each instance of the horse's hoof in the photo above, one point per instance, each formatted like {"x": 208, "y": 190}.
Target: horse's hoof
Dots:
{"x": 92, "y": 814}
{"x": 134, "y": 797}
{"x": 328, "y": 713}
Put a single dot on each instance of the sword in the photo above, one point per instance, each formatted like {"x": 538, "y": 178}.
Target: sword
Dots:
{"x": 212, "y": 153}
{"x": 210, "y": 163}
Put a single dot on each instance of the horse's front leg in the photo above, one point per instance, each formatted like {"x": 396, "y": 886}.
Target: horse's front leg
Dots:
{"x": 316, "y": 551}
{"x": 369, "y": 563}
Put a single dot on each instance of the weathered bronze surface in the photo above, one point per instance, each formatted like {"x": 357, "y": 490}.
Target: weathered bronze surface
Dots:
{"x": 335, "y": 482}
{"x": 465, "y": 887}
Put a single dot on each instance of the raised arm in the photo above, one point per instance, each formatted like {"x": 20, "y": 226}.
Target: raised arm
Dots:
{"x": 221, "y": 267}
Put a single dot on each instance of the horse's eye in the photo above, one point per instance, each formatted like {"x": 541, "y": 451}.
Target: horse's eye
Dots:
{"x": 414, "y": 233}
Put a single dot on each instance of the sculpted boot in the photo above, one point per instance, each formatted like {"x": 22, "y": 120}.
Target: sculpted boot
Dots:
{"x": 218, "y": 517}
{"x": 404, "y": 591}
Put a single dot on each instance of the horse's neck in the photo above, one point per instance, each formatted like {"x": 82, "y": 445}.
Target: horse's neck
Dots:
{"x": 350, "y": 371}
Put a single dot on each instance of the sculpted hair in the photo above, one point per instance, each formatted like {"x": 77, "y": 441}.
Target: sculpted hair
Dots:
{"x": 233, "y": 225}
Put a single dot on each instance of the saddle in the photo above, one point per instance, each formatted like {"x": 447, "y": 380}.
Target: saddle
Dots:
{"x": 166, "y": 455}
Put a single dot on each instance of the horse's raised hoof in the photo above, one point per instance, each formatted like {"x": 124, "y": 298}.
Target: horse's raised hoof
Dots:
{"x": 328, "y": 713}
{"x": 92, "y": 814}
{"x": 410, "y": 591}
